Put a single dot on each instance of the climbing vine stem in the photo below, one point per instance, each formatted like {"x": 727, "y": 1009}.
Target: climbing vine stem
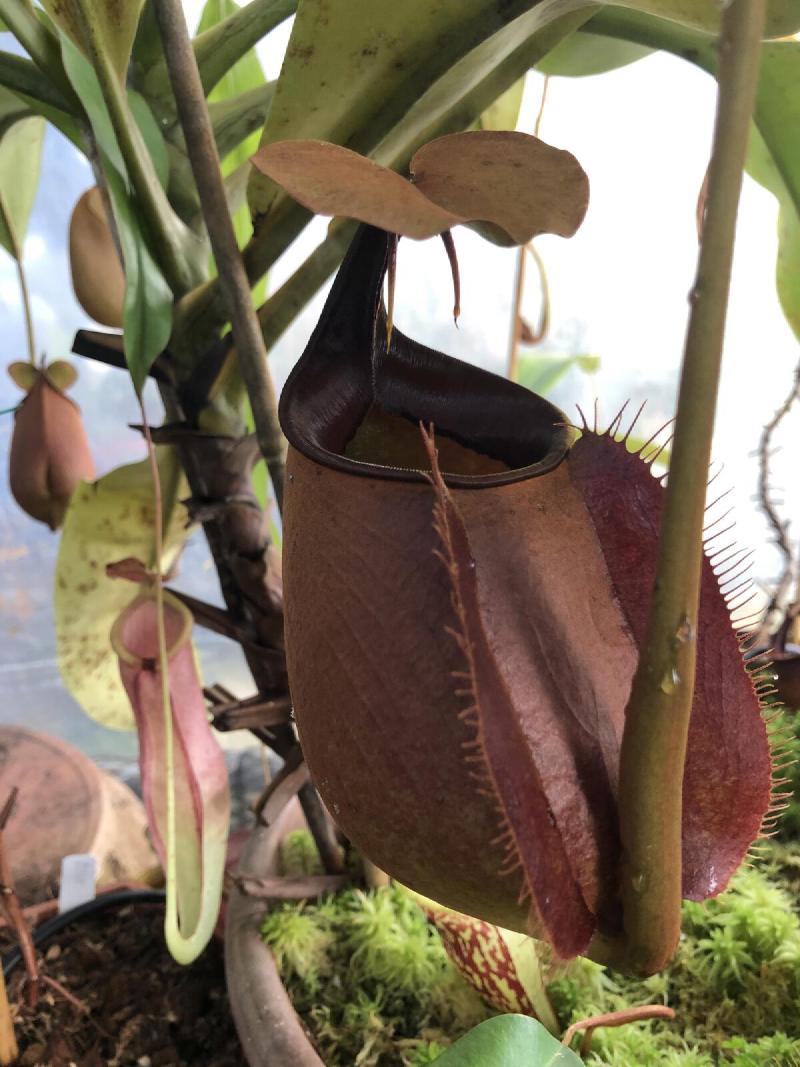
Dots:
{"x": 657, "y": 716}
{"x": 201, "y": 147}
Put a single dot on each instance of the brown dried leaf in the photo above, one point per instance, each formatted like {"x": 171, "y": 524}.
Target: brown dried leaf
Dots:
{"x": 515, "y": 181}
{"x": 331, "y": 180}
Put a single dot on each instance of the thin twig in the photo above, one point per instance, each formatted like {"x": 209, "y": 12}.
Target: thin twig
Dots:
{"x": 13, "y": 909}
{"x": 517, "y": 324}
{"x": 16, "y": 253}
{"x": 534, "y": 337}
{"x": 542, "y": 104}
{"x": 657, "y": 717}
{"x": 62, "y": 991}
{"x": 779, "y": 526}
{"x": 613, "y": 1018}
{"x": 391, "y": 286}
{"x": 204, "y": 159}
{"x": 450, "y": 248}
{"x": 516, "y": 317}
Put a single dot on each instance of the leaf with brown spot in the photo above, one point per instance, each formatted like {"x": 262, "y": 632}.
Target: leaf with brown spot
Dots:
{"x": 107, "y": 520}
{"x": 114, "y": 21}
{"x": 514, "y": 181}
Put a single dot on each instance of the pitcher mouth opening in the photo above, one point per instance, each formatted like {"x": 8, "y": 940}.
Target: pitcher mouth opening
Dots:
{"x": 354, "y": 405}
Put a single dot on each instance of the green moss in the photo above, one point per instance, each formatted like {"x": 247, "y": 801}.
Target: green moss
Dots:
{"x": 299, "y": 855}
{"x": 373, "y": 982}
{"x": 777, "y": 1051}
{"x": 734, "y": 985}
{"x": 784, "y": 731}
{"x": 371, "y": 979}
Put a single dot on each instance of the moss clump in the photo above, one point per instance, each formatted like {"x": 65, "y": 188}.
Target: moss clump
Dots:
{"x": 784, "y": 730}
{"x": 370, "y": 978}
{"x": 734, "y": 985}
{"x": 299, "y": 856}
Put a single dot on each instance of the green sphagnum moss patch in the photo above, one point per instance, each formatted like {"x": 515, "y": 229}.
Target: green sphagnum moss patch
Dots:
{"x": 369, "y": 976}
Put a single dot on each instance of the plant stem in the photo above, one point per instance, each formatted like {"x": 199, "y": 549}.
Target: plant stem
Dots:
{"x": 170, "y": 238}
{"x": 202, "y": 150}
{"x": 657, "y": 716}
{"x": 516, "y": 317}
{"x": 779, "y": 526}
{"x": 23, "y": 281}
{"x": 26, "y": 305}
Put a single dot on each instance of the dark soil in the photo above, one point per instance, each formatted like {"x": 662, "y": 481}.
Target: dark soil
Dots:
{"x": 144, "y": 1010}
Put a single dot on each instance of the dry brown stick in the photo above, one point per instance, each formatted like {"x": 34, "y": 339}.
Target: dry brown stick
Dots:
{"x": 450, "y": 249}
{"x": 9, "y": 1050}
{"x": 780, "y": 527}
{"x": 62, "y": 991}
{"x": 13, "y": 909}
{"x": 614, "y": 1018}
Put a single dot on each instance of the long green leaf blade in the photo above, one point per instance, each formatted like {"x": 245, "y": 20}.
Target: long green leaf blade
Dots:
{"x": 147, "y": 314}
{"x": 20, "y": 164}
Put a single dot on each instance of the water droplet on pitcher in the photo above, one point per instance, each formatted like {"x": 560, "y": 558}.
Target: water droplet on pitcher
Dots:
{"x": 638, "y": 881}
{"x": 684, "y": 633}
{"x": 670, "y": 681}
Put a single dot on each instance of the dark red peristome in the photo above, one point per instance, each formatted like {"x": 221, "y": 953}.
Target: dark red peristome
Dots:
{"x": 727, "y": 780}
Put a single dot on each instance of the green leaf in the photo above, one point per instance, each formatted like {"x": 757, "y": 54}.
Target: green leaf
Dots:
{"x": 541, "y": 373}
{"x": 349, "y": 79}
{"x": 222, "y": 44}
{"x": 228, "y": 33}
{"x": 113, "y": 21}
{"x": 147, "y": 314}
{"x": 774, "y": 155}
{"x": 12, "y": 109}
{"x": 20, "y": 162}
{"x": 84, "y": 81}
{"x": 239, "y": 117}
{"x": 504, "y": 112}
{"x": 585, "y": 54}
{"x": 106, "y": 521}
{"x": 22, "y": 77}
{"x": 153, "y": 138}
{"x": 508, "y": 1041}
